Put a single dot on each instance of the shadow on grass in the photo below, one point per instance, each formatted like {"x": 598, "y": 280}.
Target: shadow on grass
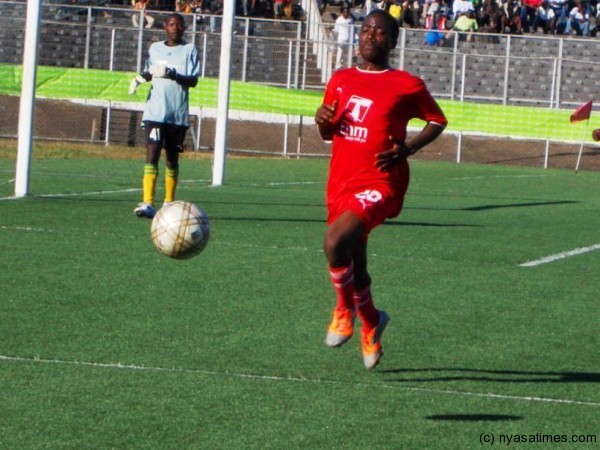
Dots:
{"x": 395, "y": 223}
{"x": 471, "y": 208}
{"x": 518, "y": 205}
{"x": 496, "y": 376}
{"x": 507, "y": 205}
{"x": 267, "y": 219}
{"x": 474, "y": 417}
{"x": 78, "y": 198}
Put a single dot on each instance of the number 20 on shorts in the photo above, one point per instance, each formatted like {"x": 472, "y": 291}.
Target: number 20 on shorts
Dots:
{"x": 368, "y": 196}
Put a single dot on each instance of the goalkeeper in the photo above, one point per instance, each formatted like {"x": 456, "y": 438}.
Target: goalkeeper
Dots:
{"x": 172, "y": 67}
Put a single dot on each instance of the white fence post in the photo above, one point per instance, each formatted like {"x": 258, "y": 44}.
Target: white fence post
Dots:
{"x": 111, "y": 63}
{"x": 88, "y": 36}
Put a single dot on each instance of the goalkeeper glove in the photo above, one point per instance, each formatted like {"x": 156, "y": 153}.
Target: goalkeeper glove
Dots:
{"x": 158, "y": 70}
{"x": 171, "y": 74}
{"x": 135, "y": 83}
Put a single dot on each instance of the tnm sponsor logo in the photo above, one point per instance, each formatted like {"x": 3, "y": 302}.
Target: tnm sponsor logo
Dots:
{"x": 356, "y": 110}
{"x": 354, "y": 133}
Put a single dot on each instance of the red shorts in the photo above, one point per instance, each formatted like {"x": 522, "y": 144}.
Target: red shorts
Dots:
{"x": 372, "y": 205}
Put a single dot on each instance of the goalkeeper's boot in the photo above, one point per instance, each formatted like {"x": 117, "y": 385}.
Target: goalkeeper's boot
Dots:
{"x": 371, "y": 342}
{"x": 145, "y": 210}
{"x": 341, "y": 327}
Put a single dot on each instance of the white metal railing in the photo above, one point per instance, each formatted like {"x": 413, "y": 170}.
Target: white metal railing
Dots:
{"x": 474, "y": 70}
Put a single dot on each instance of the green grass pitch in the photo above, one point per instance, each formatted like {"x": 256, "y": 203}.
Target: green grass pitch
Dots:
{"x": 105, "y": 343}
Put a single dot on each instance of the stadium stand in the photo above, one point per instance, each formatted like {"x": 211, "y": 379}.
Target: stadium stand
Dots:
{"x": 531, "y": 70}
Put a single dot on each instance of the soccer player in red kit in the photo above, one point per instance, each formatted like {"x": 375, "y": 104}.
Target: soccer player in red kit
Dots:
{"x": 365, "y": 113}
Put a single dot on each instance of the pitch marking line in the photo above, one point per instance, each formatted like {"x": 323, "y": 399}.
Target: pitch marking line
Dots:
{"x": 117, "y": 191}
{"x": 42, "y": 230}
{"x": 77, "y": 194}
{"x": 181, "y": 183}
{"x": 290, "y": 183}
{"x": 291, "y": 379}
{"x": 486, "y": 177}
{"x": 562, "y": 255}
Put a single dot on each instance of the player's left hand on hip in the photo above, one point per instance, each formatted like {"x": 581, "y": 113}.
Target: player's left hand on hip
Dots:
{"x": 389, "y": 158}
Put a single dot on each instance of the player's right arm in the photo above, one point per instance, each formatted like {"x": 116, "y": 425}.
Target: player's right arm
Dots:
{"x": 324, "y": 120}
{"x": 325, "y": 117}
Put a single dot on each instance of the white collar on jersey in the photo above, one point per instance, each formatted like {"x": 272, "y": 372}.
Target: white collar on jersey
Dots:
{"x": 372, "y": 71}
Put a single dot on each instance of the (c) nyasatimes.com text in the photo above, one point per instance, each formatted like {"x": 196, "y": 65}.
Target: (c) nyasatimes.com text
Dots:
{"x": 508, "y": 439}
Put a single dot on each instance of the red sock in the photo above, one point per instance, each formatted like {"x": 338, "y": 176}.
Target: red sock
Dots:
{"x": 342, "y": 279}
{"x": 366, "y": 309}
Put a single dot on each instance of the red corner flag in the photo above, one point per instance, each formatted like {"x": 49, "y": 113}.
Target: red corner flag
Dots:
{"x": 583, "y": 112}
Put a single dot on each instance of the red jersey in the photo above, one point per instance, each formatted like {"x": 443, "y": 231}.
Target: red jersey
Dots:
{"x": 371, "y": 107}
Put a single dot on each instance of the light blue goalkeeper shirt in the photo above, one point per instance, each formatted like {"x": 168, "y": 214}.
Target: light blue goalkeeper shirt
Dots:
{"x": 168, "y": 101}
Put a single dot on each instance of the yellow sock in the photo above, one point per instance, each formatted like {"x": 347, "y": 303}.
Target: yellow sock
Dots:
{"x": 171, "y": 176}
{"x": 149, "y": 182}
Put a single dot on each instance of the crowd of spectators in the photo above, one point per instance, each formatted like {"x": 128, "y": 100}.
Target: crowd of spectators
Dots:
{"x": 553, "y": 17}
{"x": 274, "y": 9}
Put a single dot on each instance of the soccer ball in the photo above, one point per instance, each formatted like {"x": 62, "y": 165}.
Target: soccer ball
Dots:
{"x": 180, "y": 230}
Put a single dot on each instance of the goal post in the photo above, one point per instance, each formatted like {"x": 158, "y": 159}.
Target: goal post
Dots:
{"x": 223, "y": 95}
{"x": 28, "y": 95}
{"x": 27, "y": 102}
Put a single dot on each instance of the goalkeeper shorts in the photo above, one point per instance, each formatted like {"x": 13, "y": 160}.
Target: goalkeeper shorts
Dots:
{"x": 169, "y": 136}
